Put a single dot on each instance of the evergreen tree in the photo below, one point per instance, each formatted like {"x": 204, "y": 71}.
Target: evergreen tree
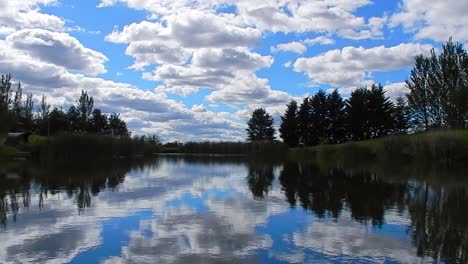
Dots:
{"x": 319, "y": 118}
{"x": 401, "y": 117}
{"x": 305, "y": 123}
{"x": 74, "y": 122}
{"x": 289, "y": 128}
{"x": 260, "y": 126}
{"x": 379, "y": 112}
{"x": 356, "y": 115}
{"x": 336, "y": 118}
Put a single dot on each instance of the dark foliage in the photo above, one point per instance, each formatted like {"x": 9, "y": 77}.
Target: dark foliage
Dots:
{"x": 289, "y": 125}
{"x": 260, "y": 126}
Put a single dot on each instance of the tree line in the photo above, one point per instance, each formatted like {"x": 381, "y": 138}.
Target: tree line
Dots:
{"x": 18, "y": 115}
{"x": 437, "y": 98}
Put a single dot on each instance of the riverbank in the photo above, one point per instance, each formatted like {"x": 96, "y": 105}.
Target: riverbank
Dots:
{"x": 438, "y": 149}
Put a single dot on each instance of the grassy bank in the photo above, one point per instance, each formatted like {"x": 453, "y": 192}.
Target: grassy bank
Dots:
{"x": 88, "y": 147}
{"x": 437, "y": 149}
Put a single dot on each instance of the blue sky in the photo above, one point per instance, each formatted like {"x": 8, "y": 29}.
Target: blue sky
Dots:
{"x": 195, "y": 70}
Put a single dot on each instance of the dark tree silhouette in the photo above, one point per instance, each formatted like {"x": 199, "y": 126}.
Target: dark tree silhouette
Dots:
{"x": 336, "y": 118}
{"x": 260, "y": 126}
{"x": 289, "y": 125}
{"x": 401, "y": 116}
{"x": 356, "y": 112}
{"x": 380, "y": 112}
{"x": 319, "y": 118}
{"x": 305, "y": 123}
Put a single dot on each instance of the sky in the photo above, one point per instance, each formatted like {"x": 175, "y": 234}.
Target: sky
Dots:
{"x": 196, "y": 69}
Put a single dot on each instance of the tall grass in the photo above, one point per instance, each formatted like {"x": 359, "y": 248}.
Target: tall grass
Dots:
{"x": 90, "y": 148}
{"x": 234, "y": 148}
{"x": 440, "y": 148}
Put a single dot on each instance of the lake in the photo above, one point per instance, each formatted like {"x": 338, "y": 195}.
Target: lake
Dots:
{"x": 196, "y": 209}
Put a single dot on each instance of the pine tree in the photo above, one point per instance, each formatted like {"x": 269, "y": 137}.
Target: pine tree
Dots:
{"x": 356, "y": 115}
{"x": 379, "y": 112}
{"x": 305, "y": 123}
{"x": 319, "y": 115}
{"x": 336, "y": 118}
{"x": 289, "y": 125}
{"x": 260, "y": 126}
{"x": 401, "y": 117}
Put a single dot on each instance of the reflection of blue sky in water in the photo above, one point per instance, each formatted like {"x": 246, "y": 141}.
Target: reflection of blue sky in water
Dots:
{"x": 186, "y": 213}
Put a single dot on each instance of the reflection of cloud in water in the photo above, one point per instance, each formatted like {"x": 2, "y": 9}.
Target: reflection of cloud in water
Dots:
{"x": 346, "y": 237}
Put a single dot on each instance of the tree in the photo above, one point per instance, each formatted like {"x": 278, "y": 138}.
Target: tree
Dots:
{"x": 318, "y": 117}
{"x": 401, "y": 117}
{"x": 379, "y": 112}
{"x": 58, "y": 122}
{"x": 6, "y": 117}
{"x": 305, "y": 123}
{"x": 336, "y": 115}
{"x": 438, "y": 87}
{"x": 117, "y": 127}
{"x": 289, "y": 125}
{"x": 260, "y": 126}
{"x": 418, "y": 98}
{"x": 84, "y": 107}
{"x": 356, "y": 115}
{"x": 99, "y": 123}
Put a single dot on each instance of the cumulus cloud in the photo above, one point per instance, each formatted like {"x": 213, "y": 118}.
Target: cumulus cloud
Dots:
{"x": 145, "y": 111}
{"x": 351, "y": 66}
{"x": 438, "y": 21}
{"x": 26, "y": 14}
{"x": 59, "y": 49}
{"x": 294, "y": 46}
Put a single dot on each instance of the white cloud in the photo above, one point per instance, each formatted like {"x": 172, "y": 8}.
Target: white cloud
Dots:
{"x": 394, "y": 90}
{"x": 58, "y": 48}
{"x": 438, "y": 20}
{"x": 294, "y": 46}
{"x": 26, "y": 14}
{"x": 319, "y": 40}
{"x": 351, "y": 66}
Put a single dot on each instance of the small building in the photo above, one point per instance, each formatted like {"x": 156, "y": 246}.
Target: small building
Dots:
{"x": 17, "y": 139}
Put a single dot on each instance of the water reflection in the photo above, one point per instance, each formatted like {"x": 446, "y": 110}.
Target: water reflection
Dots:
{"x": 222, "y": 210}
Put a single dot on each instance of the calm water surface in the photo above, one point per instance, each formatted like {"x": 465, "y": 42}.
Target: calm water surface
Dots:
{"x": 228, "y": 210}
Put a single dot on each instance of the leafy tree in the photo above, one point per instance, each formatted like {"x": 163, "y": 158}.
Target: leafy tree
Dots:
{"x": 438, "y": 87}
{"x": 260, "y": 126}
{"x": 6, "y": 117}
{"x": 99, "y": 123}
{"x": 418, "y": 98}
{"x": 58, "y": 122}
{"x": 84, "y": 107}
{"x": 73, "y": 117}
{"x": 289, "y": 128}
{"x": 336, "y": 118}
{"x": 117, "y": 127}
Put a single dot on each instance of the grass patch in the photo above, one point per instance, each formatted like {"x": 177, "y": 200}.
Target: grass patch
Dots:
{"x": 441, "y": 148}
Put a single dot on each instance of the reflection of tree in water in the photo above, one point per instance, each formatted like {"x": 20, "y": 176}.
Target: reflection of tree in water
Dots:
{"x": 80, "y": 184}
{"x": 439, "y": 220}
{"x": 260, "y": 179}
{"x": 327, "y": 192}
